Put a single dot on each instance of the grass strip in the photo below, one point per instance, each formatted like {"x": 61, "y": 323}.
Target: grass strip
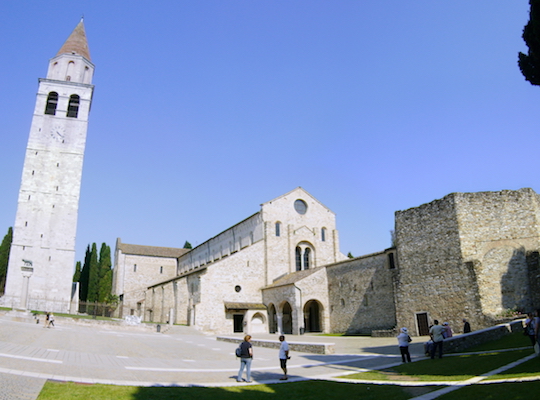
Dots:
{"x": 312, "y": 390}
{"x": 496, "y": 391}
{"x": 449, "y": 368}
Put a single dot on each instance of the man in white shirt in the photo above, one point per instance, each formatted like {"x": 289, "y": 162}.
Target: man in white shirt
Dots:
{"x": 283, "y": 356}
{"x": 436, "y": 333}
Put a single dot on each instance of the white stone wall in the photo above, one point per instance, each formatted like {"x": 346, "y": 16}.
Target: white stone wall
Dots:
{"x": 296, "y": 228}
{"x": 46, "y": 220}
{"x": 224, "y": 244}
{"x": 133, "y": 275}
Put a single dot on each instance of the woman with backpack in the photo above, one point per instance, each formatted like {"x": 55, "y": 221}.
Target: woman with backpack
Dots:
{"x": 246, "y": 356}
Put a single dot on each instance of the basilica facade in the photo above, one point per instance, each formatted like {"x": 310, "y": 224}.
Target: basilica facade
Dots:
{"x": 467, "y": 255}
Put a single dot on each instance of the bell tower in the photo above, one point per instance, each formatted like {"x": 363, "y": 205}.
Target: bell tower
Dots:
{"x": 42, "y": 257}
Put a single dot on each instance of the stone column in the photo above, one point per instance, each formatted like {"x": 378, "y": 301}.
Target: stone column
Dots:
{"x": 27, "y": 272}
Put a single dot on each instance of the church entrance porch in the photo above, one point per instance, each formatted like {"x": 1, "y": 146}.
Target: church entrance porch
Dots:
{"x": 312, "y": 316}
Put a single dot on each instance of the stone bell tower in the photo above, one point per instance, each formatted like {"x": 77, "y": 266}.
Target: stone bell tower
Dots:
{"x": 42, "y": 257}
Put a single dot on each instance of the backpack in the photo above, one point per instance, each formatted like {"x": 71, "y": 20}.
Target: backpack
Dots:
{"x": 238, "y": 351}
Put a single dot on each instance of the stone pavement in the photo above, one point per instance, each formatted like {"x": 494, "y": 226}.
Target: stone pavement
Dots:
{"x": 31, "y": 354}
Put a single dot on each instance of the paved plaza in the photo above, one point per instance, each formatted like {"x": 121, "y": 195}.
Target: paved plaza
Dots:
{"x": 95, "y": 353}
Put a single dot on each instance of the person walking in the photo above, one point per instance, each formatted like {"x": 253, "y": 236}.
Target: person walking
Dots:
{"x": 436, "y": 333}
{"x": 283, "y": 357}
{"x": 466, "y": 326}
{"x": 246, "y": 356}
{"x": 403, "y": 340}
{"x": 51, "y": 320}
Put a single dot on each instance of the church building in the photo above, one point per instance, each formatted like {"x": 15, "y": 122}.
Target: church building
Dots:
{"x": 467, "y": 255}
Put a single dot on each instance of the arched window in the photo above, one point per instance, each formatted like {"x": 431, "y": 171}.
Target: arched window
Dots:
{"x": 278, "y": 228}
{"x": 304, "y": 256}
{"x": 307, "y": 252}
{"x": 73, "y": 106}
{"x": 323, "y": 234}
{"x": 52, "y": 102}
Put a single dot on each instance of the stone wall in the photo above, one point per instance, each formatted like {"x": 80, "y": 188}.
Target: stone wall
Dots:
{"x": 462, "y": 342}
{"x": 468, "y": 255}
{"x": 361, "y": 294}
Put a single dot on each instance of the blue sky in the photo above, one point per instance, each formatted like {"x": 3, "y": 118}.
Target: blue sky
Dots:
{"x": 203, "y": 110}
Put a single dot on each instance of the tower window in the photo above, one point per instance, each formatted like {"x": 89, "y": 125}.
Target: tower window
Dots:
{"x": 391, "y": 261}
{"x": 278, "y": 228}
{"x": 73, "y": 106}
{"x": 160, "y": 270}
{"x": 52, "y": 102}
{"x": 323, "y": 234}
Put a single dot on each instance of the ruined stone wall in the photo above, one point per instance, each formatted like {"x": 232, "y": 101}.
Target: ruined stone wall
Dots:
{"x": 361, "y": 294}
{"x": 468, "y": 255}
{"x": 431, "y": 277}
{"x": 498, "y": 232}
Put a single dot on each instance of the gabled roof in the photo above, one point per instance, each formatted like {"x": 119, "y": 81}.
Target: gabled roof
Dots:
{"x": 76, "y": 43}
{"x": 303, "y": 190}
{"x": 150, "y": 251}
{"x": 293, "y": 277}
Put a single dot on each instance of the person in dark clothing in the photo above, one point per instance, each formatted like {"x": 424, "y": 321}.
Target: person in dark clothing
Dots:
{"x": 466, "y": 326}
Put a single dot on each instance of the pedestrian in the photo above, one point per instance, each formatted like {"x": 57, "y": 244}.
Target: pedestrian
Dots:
{"x": 530, "y": 328}
{"x": 283, "y": 357}
{"x": 436, "y": 333}
{"x": 403, "y": 341}
{"x": 46, "y": 325}
{"x": 246, "y": 356}
{"x": 51, "y": 320}
{"x": 466, "y": 326}
{"x": 447, "y": 331}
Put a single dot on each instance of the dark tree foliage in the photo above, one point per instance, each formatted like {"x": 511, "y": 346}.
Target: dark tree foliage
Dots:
{"x": 77, "y": 274}
{"x": 85, "y": 276}
{"x": 93, "y": 281}
{"x": 96, "y": 276}
{"x": 4, "y": 257}
{"x": 187, "y": 245}
{"x": 350, "y": 255}
{"x": 105, "y": 273}
{"x": 529, "y": 63}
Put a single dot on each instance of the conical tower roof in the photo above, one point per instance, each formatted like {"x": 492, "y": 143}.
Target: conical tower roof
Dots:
{"x": 76, "y": 43}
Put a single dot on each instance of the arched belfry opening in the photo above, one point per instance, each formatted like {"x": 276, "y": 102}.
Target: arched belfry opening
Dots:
{"x": 52, "y": 102}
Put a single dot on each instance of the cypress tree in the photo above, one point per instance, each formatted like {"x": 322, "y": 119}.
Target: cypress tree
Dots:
{"x": 105, "y": 273}
{"x": 77, "y": 274}
{"x": 529, "y": 63}
{"x": 187, "y": 245}
{"x": 4, "y": 257}
{"x": 85, "y": 276}
{"x": 93, "y": 281}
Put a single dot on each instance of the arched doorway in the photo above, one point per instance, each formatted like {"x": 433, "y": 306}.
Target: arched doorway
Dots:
{"x": 287, "y": 319}
{"x": 257, "y": 323}
{"x": 313, "y": 316}
{"x": 272, "y": 319}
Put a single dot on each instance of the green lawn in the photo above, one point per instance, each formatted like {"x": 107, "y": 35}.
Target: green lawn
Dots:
{"x": 449, "y": 368}
{"x": 312, "y": 390}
